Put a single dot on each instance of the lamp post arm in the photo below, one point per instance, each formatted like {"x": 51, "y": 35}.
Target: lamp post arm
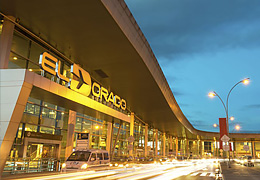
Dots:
{"x": 230, "y": 92}
{"x": 221, "y": 101}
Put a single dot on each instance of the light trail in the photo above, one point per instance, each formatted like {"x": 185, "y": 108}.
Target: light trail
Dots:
{"x": 142, "y": 171}
{"x": 58, "y": 176}
{"x": 179, "y": 172}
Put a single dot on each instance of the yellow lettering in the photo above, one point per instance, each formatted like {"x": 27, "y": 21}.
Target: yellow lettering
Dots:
{"x": 111, "y": 98}
{"x": 104, "y": 93}
{"x": 96, "y": 92}
{"x": 59, "y": 74}
{"x": 48, "y": 63}
{"x": 123, "y": 104}
{"x": 117, "y": 101}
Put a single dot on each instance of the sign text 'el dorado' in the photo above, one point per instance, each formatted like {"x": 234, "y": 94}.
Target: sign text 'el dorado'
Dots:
{"x": 81, "y": 81}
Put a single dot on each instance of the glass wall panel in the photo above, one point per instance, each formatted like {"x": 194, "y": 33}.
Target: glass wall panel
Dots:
{"x": 240, "y": 148}
{"x": 20, "y": 50}
{"x": 97, "y": 129}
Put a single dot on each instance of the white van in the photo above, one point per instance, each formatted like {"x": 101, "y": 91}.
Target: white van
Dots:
{"x": 83, "y": 159}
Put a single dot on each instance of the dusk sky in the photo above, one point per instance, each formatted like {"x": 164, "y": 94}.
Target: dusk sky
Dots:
{"x": 205, "y": 46}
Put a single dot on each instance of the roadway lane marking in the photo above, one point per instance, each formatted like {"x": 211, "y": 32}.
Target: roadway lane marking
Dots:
{"x": 212, "y": 175}
{"x": 194, "y": 174}
{"x": 204, "y": 174}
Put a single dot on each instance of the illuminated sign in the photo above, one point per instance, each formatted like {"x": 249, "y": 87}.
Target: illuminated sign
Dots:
{"x": 81, "y": 81}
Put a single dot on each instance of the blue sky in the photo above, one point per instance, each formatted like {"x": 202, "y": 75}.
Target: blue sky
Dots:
{"x": 203, "y": 46}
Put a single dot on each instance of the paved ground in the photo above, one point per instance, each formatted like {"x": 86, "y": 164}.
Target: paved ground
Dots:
{"x": 185, "y": 170}
{"x": 207, "y": 173}
{"x": 240, "y": 172}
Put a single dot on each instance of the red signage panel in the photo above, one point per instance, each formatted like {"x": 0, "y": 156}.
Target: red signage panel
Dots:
{"x": 222, "y": 130}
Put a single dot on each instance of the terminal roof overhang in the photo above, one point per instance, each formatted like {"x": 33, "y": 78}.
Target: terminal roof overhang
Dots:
{"x": 102, "y": 34}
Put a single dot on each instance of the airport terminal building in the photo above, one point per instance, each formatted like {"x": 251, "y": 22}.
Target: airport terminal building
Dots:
{"x": 70, "y": 68}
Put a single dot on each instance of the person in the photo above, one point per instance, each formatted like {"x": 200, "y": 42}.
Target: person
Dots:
{"x": 45, "y": 153}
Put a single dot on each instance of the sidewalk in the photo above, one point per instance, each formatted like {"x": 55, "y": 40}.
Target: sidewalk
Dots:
{"x": 239, "y": 172}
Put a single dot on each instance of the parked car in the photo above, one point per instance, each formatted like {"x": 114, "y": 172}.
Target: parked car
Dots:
{"x": 120, "y": 161}
{"x": 84, "y": 159}
{"x": 248, "y": 161}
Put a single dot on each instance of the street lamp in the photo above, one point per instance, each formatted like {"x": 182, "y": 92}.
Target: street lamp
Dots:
{"x": 237, "y": 127}
{"x": 213, "y": 94}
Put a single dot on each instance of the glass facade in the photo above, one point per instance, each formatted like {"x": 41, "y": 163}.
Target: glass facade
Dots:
{"x": 139, "y": 135}
{"x": 40, "y": 119}
{"x": 97, "y": 129}
{"x": 151, "y": 142}
{"x": 240, "y": 148}
{"x": 120, "y": 136}
{"x": 257, "y": 149}
{"x": 25, "y": 53}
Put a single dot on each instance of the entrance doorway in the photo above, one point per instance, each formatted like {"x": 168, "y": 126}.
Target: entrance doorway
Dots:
{"x": 42, "y": 151}
{"x": 35, "y": 148}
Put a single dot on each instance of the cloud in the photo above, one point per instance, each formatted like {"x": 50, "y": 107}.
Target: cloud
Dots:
{"x": 177, "y": 93}
{"x": 253, "y": 106}
{"x": 200, "y": 124}
{"x": 184, "y": 28}
{"x": 184, "y": 105}
{"x": 200, "y": 43}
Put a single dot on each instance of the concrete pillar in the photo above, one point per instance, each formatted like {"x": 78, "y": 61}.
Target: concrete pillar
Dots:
{"x": 109, "y": 135}
{"x": 176, "y": 147}
{"x": 70, "y": 133}
{"x": 170, "y": 143}
{"x": 156, "y": 143}
{"x": 6, "y": 42}
{"x": 153, "y": 146}
{"x": 132, "y": 123}
{"x": 13, "y": 98}
{"x": 235, "y": 149}
{"x": 187, "y": 147}
{"x": 253, "y": 148}
{"x": 164, "y": 145}
{"x": 146, "y": 140}
{"x": 201, "y": 148}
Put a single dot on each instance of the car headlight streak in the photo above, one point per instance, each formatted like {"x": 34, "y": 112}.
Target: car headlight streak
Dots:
{"x": 84, "y": 166}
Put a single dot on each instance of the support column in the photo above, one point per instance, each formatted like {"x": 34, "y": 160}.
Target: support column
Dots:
{"x": 146, "y": 141}
{"x": 13, "y": 95}
{"x": 156, "y": 143}
{"x": 253, "y": 148}
{"x": 109, "y": 133}
{"x": 153, "y": 143}
{"x": 176, "y": 147}
{"x": 187, "y": 147}
{"x": 170, "y": 143}
{"x": 6, "y": 42}
{"x": 132, "y": 123}
{"x": 200, "y": 149}
{"x": 164, "y": 145}
{"x": 235, "y": 148}
{"x": 70, "y": 133}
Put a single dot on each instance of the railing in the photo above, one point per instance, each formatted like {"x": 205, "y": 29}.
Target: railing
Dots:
{"x": 26, "y": 165}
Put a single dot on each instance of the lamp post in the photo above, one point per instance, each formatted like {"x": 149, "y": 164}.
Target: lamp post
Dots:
{"x": 214, "y": 93}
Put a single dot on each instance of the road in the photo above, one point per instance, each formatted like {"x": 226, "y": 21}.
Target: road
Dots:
{"x": 202, "y": 169}
{"x": 241, "y": 172}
